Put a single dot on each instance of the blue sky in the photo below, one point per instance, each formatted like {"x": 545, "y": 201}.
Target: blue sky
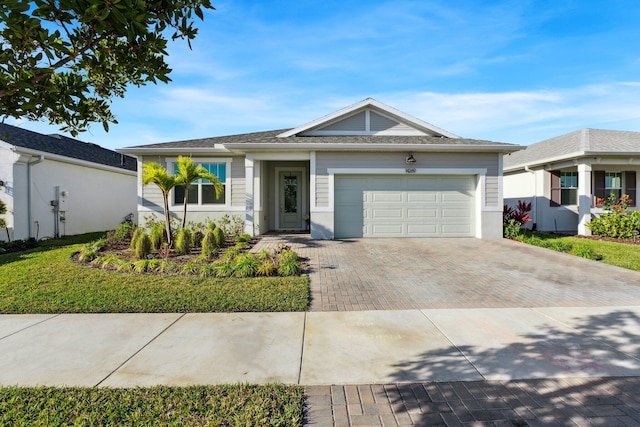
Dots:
{"x": 509, "y": 71}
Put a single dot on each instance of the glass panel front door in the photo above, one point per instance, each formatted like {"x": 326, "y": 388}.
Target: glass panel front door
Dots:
{"x": 290, "y": 200}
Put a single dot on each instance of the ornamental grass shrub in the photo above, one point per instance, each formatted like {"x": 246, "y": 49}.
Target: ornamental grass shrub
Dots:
{"x": 143, "y": 246}
{"x": 209, "y": 245}
{"x": 183, "y": 241}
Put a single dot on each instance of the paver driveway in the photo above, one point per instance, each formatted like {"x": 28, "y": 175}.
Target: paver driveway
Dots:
{"x": 392, "y": 274}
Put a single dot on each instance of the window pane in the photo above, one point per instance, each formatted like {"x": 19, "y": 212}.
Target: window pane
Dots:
{"x": 192, "y": 198}
{"x": 218, "y": 169}
{"x": 613, "y": 180}
{"x": 209, "y": 195}
{"x": 569, "y": 196}
{"x": 569, "y": 179}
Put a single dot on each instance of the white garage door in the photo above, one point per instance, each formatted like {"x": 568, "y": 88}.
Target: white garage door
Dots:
{"x": 404, "y": 206}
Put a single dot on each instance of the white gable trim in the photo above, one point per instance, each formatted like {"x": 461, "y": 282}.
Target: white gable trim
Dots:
{"x": 380, "y": 108}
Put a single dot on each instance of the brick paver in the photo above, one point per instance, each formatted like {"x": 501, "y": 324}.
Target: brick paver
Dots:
{"x": 391, "y": 274}
{"x": 397, "y": 274}
{"x": 545, "y": 402}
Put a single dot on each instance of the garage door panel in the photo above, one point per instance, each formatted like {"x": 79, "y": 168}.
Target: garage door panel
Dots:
{"x": 421, "y": 213}
{"x": 423, "y": 230}
{"x": 453, "y": 230}
{"x": 456, "y": 213}
{"x": 396, "y": 206}
{"x": 387, "y": 196}
{"x": 383, "y": 230}
{"x": 382, "y": 213}
{"x": 455, "y": 197}
{"x": 415, "y": 197}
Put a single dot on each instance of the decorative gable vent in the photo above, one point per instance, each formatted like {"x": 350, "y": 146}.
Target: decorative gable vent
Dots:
{"x": 368, "y": 118}
{"x": 355, "y": 123}
{"x": 365, "y": 122}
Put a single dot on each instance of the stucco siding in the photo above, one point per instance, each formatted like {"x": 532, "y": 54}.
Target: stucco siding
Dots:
{"x": 97, "y": 200}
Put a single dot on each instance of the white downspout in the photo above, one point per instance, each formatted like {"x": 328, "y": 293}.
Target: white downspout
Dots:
{"x": 29, "y": 164}
{"x": 534, "y": 208}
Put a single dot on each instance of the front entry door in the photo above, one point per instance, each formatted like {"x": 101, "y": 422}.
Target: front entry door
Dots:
{"x": 290, "y": 200}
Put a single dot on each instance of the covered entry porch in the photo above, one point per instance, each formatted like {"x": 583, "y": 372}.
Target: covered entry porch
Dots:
{"x": 277, "y": 194}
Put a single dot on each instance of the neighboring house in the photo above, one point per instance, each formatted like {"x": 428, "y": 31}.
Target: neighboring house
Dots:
{"x": 564, "y": 176}
{"x": 54, "y": 185}
{"x": 367, "y": 170}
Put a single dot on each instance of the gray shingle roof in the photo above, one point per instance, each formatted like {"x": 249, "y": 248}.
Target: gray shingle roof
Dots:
{"x": 575, "y": 144}
{"x": 270, "y": 137}
{"x": 64, "y": 146}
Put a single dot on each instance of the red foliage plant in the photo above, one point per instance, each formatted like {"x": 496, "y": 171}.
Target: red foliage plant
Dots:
{"x": 520, "y": 213}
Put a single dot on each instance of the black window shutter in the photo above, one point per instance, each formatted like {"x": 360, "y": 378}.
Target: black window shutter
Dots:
{"x": 598, "y": 184}
{"x": 630, "y": 186}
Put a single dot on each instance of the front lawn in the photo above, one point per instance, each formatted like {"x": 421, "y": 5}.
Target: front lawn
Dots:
{"x": 46, "y": 280}
{"x": 619, "y": 254}
{"x": 227, "y": 405}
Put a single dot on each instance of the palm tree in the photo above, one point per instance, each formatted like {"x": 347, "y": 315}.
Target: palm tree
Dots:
{"x": 189, "y": 172}
{"x": 154, "y": 173}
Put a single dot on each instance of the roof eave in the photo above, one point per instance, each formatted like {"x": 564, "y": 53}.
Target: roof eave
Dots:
{"x": 375, "y": 147}
{"x": 569, "y": 157}
{"x": 71, "y": 160}
{"x": 134, "y": 151}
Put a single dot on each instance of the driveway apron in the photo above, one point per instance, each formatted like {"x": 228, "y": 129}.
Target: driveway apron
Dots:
{"x": 400, "y": 274}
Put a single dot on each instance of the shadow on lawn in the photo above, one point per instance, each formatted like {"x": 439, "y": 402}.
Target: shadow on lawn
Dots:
{"x": 591, "y": 349}
{"x": 47, "y": 245}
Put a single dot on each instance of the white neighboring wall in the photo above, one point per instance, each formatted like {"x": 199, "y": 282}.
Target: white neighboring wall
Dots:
{"x": 98, "y": 197}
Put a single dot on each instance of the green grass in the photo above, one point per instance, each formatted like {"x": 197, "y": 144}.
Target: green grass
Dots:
{"x": 46, "y": 280}
{"x": 227, "y": 405}
{"x": 613, "y": 253}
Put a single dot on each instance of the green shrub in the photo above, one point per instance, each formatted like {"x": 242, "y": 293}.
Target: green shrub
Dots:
{"x": 512, "y": 229}
{"x": 246, "y": 265}
{"x": 209, "y": 245}
{"x": 135, "y": 236}
{"x": 619, "y": 224}
{"x": 267, "y": 267}
{"x": 183, "y": 241}
{"x": 224, "y": 268}
{"x": 218, "y": 235}
{"x": 198, "y": 235}
{"x": 158, "y": 236}
{"x": 289, "y": 267}
{"x": 143, "y": 246}
{"x": 124, "y": 231}
{"x": 146, "y": 265}
{"x": 91, "y": 250}
{"x": 231, "y": 253}
{"x": 231, "y": 226}
{"x": 244, "y": 238}
{"x": 287, "y": 255}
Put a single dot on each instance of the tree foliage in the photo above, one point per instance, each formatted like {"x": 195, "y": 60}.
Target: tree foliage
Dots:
{"x": 154, "y": 173}
{"x": 64, "y": 60}
{"x": 189, "y": 172}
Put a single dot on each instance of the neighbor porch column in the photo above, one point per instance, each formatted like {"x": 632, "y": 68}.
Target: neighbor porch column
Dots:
{"x": 249, "y": 197}
{"x": 584, "y": 198}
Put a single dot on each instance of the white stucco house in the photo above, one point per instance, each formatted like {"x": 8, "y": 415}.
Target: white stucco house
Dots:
{"x": 367, "y": 170}
{"x": 54, "y": 185}
{"x": 564, "y": 176}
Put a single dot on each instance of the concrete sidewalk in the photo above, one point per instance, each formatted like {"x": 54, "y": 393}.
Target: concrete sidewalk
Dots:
{"x": 319, "y": 348}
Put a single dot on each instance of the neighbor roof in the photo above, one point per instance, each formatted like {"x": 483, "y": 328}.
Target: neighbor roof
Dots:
{"x": 64, "y": 146}
{"x": 576, "y": 144}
